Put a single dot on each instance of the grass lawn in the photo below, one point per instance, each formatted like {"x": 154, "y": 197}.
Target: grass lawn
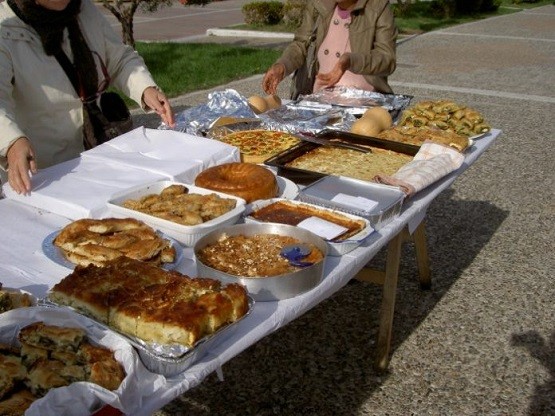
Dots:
{"x": 179, "y": 68}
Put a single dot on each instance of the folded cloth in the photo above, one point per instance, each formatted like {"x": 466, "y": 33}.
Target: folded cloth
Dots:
{"x": 432, "y": 162}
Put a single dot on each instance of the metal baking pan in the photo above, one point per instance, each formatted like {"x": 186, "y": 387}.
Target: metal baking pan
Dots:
{"x": 167, "y": 360}
{"x": 306, "y": 177}
{"x": 271, "y": 288}
{"x": 336, "y": 248}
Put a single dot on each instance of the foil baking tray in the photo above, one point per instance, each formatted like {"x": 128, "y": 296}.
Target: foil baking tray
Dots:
{"x": 306, "y": 177}
{"x": 167, "y": 360}
{"x": 336, "y": 248}
{"x": 333, "y": 191}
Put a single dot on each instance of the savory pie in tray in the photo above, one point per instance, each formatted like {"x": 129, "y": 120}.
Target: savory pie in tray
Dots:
{"x": 150, "y": 304}
{"x": 97, "y": 241}
{"x": 258, "y": 145}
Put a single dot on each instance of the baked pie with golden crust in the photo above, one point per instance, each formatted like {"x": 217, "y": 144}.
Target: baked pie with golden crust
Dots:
{"x": 149, "y": 303}
{"x": 97, "y": 241}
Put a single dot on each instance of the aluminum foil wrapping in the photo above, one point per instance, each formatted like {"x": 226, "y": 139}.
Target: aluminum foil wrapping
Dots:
{"x": 197, "y": 120}
{"x": 355, "y": 100}
{"x": 297, "y": 119}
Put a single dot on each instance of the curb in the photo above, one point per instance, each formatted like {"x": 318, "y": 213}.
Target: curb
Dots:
{"x": 248, "y": 34}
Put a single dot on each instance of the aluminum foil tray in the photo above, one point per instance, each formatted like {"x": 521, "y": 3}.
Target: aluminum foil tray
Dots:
{"x": 168, "y": 360}
{"x": 389, "y": 198}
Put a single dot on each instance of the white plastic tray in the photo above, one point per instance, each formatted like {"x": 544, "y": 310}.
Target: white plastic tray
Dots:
{"x": 187, "y": 235}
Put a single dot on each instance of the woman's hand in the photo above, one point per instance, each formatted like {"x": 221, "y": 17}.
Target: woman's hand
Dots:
{"x": 21, "y": 160}
{"x": 273, "y": 76}
{"x": 157, "y": 101}
{"x": 331, "y": 78}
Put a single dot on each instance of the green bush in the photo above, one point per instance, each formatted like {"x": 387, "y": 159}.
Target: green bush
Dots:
{"x": 408, "y": 9}
{"x": 470, "y": 7}
{"x": 293, "y": 12}
{"x": 443, "y": 9}
{"x": 263, "y": 12}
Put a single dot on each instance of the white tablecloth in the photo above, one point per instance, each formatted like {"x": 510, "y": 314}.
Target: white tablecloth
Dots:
{"x": 23, "y": 265}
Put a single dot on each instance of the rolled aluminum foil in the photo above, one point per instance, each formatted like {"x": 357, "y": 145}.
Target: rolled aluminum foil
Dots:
{"x": 197, "y": 120}
{"x": 354, "y": 97}
{"x": 297, "y": 119}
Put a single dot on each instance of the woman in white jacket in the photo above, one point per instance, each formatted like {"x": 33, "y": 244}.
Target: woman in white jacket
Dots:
{"x": 42, "y": 121}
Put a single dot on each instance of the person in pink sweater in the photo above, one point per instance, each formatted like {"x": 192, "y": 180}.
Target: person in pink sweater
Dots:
{"x": 339, "y": 42}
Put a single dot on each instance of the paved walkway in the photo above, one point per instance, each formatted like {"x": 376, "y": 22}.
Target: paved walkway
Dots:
{"x": 178, "y": 23}
{"x": 482, "y": 340}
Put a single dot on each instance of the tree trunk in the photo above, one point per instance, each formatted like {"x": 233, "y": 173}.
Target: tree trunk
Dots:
{"x": 127, "y": 30}
{"x": 124, "y": 12}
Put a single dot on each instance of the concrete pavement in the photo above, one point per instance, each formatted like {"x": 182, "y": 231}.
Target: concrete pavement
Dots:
{"x": 178, "y": 23}
{"x": 482, "y": 340}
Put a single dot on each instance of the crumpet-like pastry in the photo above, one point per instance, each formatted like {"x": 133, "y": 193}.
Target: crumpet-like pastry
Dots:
{"x": 245, "y": 180}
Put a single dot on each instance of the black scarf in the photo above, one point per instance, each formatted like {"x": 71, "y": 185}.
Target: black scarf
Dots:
{"x": 50, "y": 25}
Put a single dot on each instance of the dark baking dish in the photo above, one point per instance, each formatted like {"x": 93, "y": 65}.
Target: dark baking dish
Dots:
{"x": 305, "y": 177}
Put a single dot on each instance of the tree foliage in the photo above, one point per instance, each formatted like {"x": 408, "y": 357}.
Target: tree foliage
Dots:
{"x": 124, "y": 11}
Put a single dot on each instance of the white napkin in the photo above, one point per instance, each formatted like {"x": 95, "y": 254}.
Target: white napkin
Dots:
{"x": 432, "y": 162}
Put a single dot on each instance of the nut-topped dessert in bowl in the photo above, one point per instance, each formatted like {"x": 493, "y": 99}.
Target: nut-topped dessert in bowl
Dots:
{"x": 273, "y": 261}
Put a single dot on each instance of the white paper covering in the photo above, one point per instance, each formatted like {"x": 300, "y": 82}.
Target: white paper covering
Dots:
{"x": 175, "y": 155}
{"x": 82, "y": 398}
{"x": 22, "y": 266}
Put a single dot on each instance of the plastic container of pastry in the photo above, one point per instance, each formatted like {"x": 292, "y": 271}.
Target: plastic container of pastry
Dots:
{"x": 336, "y": 247}
{"x": 271, "y": 288}
{"x": 335, "y": 192}
{"x": 187, "y": 235}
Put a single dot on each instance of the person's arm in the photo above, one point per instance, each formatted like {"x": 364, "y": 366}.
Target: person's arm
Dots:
{"x": 129, "y": 72}
{"x": 294, "y": 54}
{"x": 379, "y": 58}
{"x": 16, "y": 152}
{"x": 21, "y": 161}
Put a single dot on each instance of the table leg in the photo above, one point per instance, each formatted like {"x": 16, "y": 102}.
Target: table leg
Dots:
{"x": 422, "y": 260}
{"x": 388, "y": 302}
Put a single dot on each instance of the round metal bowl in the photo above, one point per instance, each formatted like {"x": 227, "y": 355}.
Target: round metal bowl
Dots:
{"x": 271, "y": 288}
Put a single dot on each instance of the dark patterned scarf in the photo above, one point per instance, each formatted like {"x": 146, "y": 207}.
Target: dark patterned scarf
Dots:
{"x": 50, "y": 25}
